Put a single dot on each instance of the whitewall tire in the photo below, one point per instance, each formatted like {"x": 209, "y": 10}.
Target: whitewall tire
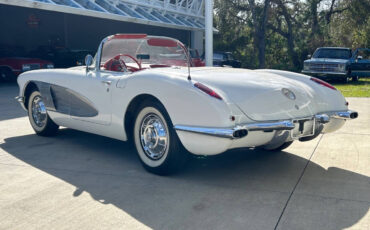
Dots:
{"x": 38, "y": 116}
{"x": 156, "y": 142}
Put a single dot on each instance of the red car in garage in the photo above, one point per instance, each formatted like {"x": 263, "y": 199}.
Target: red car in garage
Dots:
{"x": 11, "y": 67}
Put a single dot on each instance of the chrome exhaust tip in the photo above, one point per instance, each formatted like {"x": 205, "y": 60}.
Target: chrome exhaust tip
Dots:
{"x": 346, "y": 115}
{"x": 240, "y": 133}
{"x": 353, "y": 115}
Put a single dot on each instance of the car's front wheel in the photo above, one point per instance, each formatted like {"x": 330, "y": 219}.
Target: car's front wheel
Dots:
{"x": 38, "y": 116}
{"x": 157, "y": 144}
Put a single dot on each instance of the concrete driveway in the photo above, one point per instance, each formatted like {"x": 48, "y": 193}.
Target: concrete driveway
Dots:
{"x": 77, "y": 180}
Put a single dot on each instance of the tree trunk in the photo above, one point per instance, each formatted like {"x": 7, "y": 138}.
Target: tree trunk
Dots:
{"x": 262, "y": 35}
{"x": 289, "y": 36}
{"x": 259, "y": 25}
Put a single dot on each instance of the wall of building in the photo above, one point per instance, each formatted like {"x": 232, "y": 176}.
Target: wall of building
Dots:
{"x": 31, "y": 28}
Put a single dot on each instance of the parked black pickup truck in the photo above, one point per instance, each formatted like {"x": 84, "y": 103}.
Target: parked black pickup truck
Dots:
{"x": 338, "y": 63}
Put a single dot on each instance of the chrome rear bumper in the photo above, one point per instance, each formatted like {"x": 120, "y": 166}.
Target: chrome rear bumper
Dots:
{"x": 242, "y": 130}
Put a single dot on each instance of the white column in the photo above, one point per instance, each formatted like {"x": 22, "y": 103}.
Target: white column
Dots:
{"x": 197, "y": 41}
{"x": 208, "y": 8}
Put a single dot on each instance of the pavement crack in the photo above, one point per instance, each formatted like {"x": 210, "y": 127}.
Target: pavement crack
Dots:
{"x": 296, "y": 185}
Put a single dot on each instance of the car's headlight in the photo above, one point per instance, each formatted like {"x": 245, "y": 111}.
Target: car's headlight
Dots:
{"x": 26, "y": 67}
{"x": 306, "y": 66}
{"x": 49, "y": 66}
{"x": 342, "y": 67}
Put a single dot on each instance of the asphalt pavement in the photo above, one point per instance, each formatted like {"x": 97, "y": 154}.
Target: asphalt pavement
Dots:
{"x": 77, "y": 180}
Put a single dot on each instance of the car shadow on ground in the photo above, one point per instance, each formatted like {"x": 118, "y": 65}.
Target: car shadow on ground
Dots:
{"x": 241, "y": 189}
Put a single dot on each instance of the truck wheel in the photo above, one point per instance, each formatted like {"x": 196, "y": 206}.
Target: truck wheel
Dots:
{"x": 347, "y": 78}
{"x": 355, "y": 78}
{"x": 156, "y": 142}
{"x": 38, "y": 116}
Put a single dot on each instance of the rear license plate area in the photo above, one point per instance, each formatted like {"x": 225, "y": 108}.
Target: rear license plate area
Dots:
{"x": 303, "y": 128}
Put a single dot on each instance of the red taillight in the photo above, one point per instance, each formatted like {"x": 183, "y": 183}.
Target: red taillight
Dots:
{"x": 207, "y": 90}
{"x": 321, "y": 82}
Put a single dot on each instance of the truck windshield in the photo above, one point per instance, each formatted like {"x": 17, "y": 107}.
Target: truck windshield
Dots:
{"x": 333, "y": 53}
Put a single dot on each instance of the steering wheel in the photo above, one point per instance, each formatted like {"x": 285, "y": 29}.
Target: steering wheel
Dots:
{"x": 123, "y": 64}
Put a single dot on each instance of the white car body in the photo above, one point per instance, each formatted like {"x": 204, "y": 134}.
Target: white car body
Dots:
{"x": 252, "y": 101}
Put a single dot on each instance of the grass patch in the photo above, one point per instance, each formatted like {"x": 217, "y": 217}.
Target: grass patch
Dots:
{"x": 361, "y": 88}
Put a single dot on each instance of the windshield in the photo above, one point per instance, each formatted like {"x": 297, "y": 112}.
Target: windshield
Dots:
{"x": 333, "y": 53}
{"x": 142, "y": 52}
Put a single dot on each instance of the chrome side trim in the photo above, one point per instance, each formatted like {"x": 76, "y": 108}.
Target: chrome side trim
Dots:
{"x": 20, "y": 99}
{"x": 217, "y": 132}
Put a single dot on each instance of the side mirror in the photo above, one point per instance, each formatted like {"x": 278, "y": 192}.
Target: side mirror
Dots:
{"x": 88, "y": 61}
{"x": 359, "y": 58}
{"x": 309, "y": 56}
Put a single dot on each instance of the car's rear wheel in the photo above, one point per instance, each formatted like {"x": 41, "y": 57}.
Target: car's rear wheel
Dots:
{"x": 156, "y": 142}
{"x": 38, "y": 116}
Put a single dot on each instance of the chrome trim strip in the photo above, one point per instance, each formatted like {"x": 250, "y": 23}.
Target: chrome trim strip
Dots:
{"x": 20, "y": 99}
{"x": 217, "y": 132}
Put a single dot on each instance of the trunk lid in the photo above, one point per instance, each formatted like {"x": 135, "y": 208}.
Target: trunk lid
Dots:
{"x": 259, "y": 95}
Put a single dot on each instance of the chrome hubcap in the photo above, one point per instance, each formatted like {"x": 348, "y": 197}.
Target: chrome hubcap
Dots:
{"x": 153, "y": 136}
{"x": 38, "y": 111}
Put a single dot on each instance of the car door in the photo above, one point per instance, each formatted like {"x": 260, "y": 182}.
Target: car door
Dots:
{"x": 90, "y": 97}
{"x": 360, "y": 64}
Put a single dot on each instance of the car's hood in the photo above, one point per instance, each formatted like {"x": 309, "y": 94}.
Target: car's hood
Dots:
{"x": 327, "y": 60}
{"x": 259, "y": 94}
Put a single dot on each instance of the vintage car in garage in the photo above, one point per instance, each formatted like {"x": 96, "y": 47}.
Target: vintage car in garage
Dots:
{"x": 142, "y": 89}
{"x": 338, "y": 63}
{"x": 14, "y": 61}
{"x": 11, "y": 67}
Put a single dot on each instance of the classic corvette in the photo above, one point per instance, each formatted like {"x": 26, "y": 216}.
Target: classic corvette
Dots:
{"x": 141, "y": 88}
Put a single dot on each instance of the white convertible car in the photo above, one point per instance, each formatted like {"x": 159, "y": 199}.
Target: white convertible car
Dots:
{"x": 142, "y": 88}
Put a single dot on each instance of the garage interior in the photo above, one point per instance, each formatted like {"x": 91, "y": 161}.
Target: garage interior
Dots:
{"x": 28, "y": 28}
